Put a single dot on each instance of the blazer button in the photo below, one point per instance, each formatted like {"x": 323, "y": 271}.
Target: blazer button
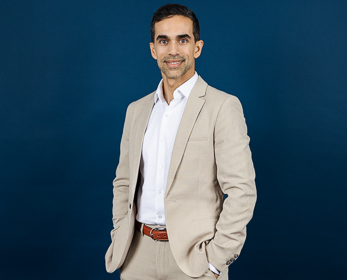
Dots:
{"x": 236, "y": 256}
{"x": 229, "y": 262}
{"x": 129, "y": 205}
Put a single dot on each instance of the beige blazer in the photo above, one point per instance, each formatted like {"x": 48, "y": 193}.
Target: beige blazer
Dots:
{"x": 210, "y": 158}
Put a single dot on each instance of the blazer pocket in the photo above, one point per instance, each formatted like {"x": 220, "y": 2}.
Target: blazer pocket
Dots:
{"x": 204, "y": 219}
{"x": 198, "y": 139}
{"x": 202, "y": 230}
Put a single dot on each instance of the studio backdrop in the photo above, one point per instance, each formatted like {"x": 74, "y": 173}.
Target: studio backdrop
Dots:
{"x": 68, "y": 70}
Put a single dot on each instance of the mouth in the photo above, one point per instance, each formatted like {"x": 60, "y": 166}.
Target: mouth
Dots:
{"x": 173, "y": 63}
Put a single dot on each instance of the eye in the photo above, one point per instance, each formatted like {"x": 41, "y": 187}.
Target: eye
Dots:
{"x": 183, "y": 41}
{"x": 162, "y": 42}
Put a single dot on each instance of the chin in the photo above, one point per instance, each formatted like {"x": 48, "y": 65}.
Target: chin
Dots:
{"x": 172, "y": 74}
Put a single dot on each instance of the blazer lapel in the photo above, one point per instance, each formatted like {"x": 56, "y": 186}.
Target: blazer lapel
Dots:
{"x": 142, "y": 120}
{"x": 194, "y": 104}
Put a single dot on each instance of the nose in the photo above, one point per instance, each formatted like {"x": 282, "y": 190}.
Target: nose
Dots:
{"x": 173, "y": 48}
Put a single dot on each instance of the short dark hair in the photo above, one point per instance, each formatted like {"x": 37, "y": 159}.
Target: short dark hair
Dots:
{"x": 170, "y": 10}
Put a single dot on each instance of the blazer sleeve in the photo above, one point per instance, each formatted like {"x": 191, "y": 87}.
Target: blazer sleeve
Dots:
{"x": 236, "y": 177}
{"x": 121, "y": 181}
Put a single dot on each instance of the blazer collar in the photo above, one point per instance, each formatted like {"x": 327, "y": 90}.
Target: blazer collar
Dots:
{"x": 140, "y": 129}
{"x": 193, "y": 107}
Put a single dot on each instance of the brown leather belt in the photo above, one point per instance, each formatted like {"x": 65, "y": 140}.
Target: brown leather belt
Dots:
{"x": 157, "y": 234}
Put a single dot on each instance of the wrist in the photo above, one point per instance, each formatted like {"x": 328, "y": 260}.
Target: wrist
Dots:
{"x": 213, "y": 269}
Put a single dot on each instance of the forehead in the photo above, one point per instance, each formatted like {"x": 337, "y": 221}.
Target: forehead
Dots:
{"x": 174, "y": 26}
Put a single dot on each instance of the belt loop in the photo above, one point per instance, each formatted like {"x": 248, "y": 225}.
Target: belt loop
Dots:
{"x": 142, "y": 229}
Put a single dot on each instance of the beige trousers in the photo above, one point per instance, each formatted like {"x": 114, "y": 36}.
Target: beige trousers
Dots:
{"x": 148, "y": 259}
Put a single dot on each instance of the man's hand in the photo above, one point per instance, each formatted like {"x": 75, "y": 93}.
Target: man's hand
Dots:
{"x": 215, "y": 274}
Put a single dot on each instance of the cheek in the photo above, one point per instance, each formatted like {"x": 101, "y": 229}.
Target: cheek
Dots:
{"x": 159, "y": 54}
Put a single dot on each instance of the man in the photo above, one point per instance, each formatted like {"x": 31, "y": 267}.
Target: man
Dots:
{"x": 183, "y": 148}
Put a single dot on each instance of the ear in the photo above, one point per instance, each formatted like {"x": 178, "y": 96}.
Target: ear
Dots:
{"x": 198, "y": 47}
{"x": 153, "y": 52}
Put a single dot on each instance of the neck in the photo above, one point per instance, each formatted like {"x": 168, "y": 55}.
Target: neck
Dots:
{"x": 170, "y": 85}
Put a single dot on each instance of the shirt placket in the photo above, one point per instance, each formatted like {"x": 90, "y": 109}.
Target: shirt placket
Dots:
{"x": 161, "y": 165}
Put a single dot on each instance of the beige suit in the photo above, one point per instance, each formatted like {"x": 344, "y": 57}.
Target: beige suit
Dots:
{"x": 211, "y": 156}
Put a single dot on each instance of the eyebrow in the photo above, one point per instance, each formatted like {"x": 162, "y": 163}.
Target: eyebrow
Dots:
{"x": 178, "y": 37}
{"x": 183, "y": 36}
{"x": 162, "y": 37}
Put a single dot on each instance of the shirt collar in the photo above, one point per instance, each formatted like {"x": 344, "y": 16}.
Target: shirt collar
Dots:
{"x": 185, "y": 89}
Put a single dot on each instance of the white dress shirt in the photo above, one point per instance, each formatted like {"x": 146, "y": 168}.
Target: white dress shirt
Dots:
{"x": 156, "y": 152}
{"x": 157, "y": 148}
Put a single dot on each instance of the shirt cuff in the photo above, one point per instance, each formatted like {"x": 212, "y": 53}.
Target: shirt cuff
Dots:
{"x": 213, "y": 269}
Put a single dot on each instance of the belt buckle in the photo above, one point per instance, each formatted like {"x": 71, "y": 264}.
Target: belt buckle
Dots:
{"x": 157, "y": 229}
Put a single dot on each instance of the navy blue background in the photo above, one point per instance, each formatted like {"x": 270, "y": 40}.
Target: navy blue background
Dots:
{"x": 68, "y": 70}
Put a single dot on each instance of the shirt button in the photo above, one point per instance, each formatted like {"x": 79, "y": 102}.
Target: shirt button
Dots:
{"x": 166, "y": 115}
{"x": 160, "y": 166}
{"x": 161, "y": 140}
{"x": 159, "y": 216}
{"x": 159, "y": 191}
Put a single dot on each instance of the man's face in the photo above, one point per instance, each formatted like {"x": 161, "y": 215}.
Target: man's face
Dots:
{"x": 174, "y": 47}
